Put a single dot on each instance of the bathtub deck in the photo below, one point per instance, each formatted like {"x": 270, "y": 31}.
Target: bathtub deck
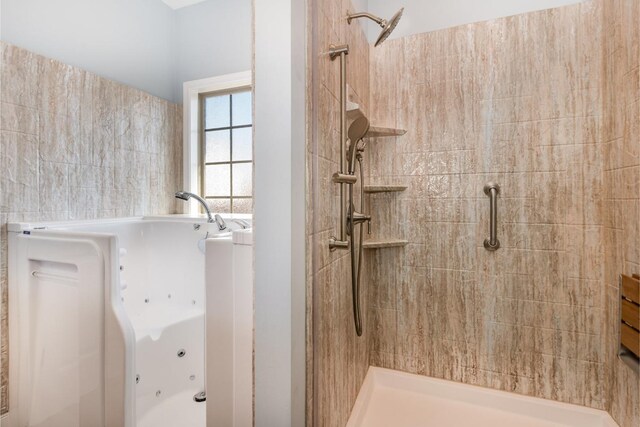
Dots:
{"x": 396, "y": 399}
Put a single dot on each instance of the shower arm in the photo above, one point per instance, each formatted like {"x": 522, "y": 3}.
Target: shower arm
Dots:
{"x": 376, "y": 19}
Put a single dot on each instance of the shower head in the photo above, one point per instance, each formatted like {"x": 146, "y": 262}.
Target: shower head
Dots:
{"x": 357, "y": 131}
{"x": 387, "y": 26}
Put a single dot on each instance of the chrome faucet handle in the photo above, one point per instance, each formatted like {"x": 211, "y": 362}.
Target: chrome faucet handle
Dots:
{"x": 358, "y": 217}
{"x": 242, "y": 223}
{"x": 222, "y": 225}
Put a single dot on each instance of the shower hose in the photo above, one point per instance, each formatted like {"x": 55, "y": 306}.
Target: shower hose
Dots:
{"x": 356, "y": 255}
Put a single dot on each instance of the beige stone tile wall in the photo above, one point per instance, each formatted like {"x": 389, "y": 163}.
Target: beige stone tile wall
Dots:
{"x": 621, "y": 134}
{"x": 517, "y": 101}
{"x": 76, "y": 146}
{"x": 339, "y": 359}
{"x": 545, "y": 104}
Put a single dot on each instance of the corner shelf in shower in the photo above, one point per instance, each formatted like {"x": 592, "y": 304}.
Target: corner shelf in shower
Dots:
{"x": 384, "y": 243}
{"x": 378, "y": 132}
{"x": 384, "y": 188}
{"x": 354, "y": 111}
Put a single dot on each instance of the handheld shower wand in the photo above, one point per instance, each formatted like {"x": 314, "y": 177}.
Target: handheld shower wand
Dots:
{"x": 357, "y": 132}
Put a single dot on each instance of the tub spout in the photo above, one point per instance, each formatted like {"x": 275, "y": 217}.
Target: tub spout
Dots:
{"x": 185, "y": 195}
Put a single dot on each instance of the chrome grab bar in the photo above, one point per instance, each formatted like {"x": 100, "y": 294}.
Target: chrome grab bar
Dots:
{"x": 492, "y": 190}
{"x": 341, "y": 177}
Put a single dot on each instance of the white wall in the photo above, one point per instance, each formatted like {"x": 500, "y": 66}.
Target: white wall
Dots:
{"x": 141, "y": 43}
{"x": 421, "y": 16}
{"x": 360, "y": 5}
{"x": 212, "y": 38}
{"x": 127, "y": 41}
{"x": 279, "y": 209}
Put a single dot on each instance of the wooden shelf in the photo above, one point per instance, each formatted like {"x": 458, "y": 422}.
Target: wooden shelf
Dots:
{"x": 384, "y": 188}
{"x": 354, "y": 111}
{"x": 384, "y": 243}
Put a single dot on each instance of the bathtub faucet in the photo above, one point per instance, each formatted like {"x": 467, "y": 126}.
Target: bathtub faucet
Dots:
{"x": 185, "y": 195}
{"x": 221, "y": 224}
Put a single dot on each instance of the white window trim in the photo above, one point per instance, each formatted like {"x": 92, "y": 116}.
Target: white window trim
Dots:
{"x": 191, "y": 124}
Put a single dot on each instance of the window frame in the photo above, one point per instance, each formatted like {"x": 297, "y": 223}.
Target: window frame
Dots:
{"x": 203, "y": 145}
{"x": 191, "y": 157}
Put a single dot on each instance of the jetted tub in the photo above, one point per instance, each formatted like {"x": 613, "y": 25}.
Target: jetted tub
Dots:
{"x": 108, "y": 322}
{"x": 390, "y": 398}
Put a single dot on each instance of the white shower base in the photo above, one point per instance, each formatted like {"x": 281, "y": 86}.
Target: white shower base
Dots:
{"x": 396, "y": 399}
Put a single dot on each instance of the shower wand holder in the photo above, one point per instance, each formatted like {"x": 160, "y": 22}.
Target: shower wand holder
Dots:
{"x": 343, "y": 178}
{"x": 335, "y": 244}
{"x": 336, "y": 51}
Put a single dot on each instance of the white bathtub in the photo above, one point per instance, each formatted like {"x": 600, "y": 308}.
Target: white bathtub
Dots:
{"x": 108, "y": 322}
{"x": 390, "y": 398}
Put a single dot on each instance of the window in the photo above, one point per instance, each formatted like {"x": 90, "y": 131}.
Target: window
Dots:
{"x": 227, "y": 151}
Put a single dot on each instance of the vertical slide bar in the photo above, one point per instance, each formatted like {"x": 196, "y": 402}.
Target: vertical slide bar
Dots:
{"x": 341, "y": 52}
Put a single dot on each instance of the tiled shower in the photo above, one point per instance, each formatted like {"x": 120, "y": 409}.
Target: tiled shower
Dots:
{"x": 547, "y": 105}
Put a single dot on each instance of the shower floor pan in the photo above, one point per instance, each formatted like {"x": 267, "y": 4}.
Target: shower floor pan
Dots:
{"x": 396, "y": 399}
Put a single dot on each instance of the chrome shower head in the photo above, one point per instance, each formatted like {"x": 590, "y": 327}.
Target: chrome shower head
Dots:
{"x": 387, "y": 26}
{"x": 357, "y": 131}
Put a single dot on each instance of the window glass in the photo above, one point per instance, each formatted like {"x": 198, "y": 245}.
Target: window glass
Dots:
{"x": 242, "y": 144}
{"x": 217, "y": 112}
{"x": 218, "y": 180}
{"x": 241, "y": 108}
{"x": 244, "y": 206}
{"x": 227, "y": 151}
{"x": 218, "y": 146}
{"x": 220, "y": 205}
{"x": 242, "y": 179}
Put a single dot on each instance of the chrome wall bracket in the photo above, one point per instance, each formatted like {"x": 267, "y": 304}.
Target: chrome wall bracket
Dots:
{"x": 338, "y": 244}
{"x": 335, "y": 51}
